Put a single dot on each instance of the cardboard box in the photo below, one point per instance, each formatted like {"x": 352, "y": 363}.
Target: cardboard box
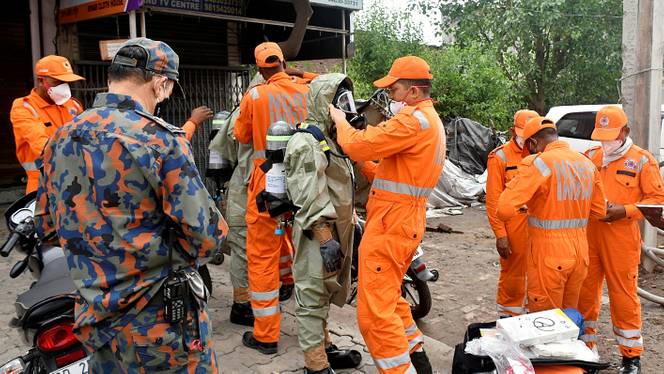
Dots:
{"x": 538, "y": 328}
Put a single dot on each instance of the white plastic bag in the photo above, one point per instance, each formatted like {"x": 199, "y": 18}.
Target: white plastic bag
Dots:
{"x": 508, "y": 357}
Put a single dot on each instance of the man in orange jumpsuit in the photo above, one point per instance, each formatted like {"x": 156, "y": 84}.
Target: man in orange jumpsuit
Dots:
{"x": 36, "y": 117}
{"x": 511, "y": 236}
{"x": 630, "y": 176}
{"x": 410, "y": 148}
{"x": 281, "y": 98}
{"x": 560, "y": 189}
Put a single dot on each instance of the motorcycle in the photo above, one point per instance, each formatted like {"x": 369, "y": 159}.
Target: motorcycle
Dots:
{"x": 414, "y": 288}
{"x": 45, "y": 312}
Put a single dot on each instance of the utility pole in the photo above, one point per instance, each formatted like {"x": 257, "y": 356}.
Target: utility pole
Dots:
{"x": 643, "y": 52}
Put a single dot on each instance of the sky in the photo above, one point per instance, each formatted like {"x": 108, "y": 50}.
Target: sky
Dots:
{"x": 428, "y": 30}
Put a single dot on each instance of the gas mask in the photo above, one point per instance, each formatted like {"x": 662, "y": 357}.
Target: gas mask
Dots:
{"x": 344, "y": 100}
{"x": 60, "y": 93}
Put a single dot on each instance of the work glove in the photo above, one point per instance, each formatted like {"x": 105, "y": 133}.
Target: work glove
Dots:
{"x": 330, "y": 249}
{"x": 331, "y": 253}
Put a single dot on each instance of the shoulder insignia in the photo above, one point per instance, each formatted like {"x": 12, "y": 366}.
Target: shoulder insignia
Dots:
{"x": 170, "y": 128}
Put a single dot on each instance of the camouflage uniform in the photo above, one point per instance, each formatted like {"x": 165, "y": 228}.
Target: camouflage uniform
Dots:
{"x": 112, "y": 181}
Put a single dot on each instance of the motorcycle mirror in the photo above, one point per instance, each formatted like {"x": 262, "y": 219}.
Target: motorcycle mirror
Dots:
{"x": 18, "y": 268}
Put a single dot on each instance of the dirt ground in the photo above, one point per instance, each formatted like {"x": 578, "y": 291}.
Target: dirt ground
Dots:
{"x": 465, "y": 292}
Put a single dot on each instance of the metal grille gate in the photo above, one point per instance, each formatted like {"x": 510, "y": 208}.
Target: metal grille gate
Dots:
{"x": 217, "y": 87}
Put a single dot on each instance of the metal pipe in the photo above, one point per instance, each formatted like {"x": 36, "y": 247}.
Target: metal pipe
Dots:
{"x": 132, "y": 24}
{"x": 343, "y": 38}
{"x": 653, "y": 257}
{"x": 650, "y": 296}
{"x": 247, "y": 19}
{"x": 143, "y": 26}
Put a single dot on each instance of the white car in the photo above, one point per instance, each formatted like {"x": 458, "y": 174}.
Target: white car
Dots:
{"x": 575, "y": 124}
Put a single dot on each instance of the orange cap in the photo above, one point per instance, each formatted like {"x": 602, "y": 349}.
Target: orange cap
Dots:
{"x": 409, "y": 67}
{"x": 520, "y": 118}
{"x": 56, "y": 67}
{"x": 266, "y": 50}
{"x": 608, "y": 123}
{"x": 535, "y": 125}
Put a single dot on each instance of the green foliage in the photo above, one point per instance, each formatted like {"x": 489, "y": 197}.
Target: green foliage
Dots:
{"x": 467, "y": 81}
{"x": 555, "y": 52}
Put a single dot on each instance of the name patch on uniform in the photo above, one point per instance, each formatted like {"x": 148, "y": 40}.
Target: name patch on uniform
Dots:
{"x": 631, "y": 164}
{"x": 511, "y": 167}
{"x": 625, "y": 172}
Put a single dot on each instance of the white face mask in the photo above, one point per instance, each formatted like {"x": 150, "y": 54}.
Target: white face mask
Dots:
{"x": 609, "y": 147}
{"x": 519, "y": 141}
{"x": 60, "y": 93}
{"x": 396, "y": 106}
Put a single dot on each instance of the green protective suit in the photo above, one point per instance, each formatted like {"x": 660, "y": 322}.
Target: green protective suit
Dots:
{"x": 236, "y": 201}
{"x": 323, "y": 191}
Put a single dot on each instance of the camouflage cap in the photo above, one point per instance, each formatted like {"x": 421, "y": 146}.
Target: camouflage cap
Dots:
{"x": 162, "y": 59}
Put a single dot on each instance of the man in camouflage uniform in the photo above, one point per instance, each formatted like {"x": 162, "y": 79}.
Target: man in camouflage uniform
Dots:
{"x": 114, "y": 181}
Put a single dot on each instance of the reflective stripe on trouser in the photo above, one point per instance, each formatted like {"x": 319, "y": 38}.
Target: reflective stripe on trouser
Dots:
{"x": 614, "y": 253}
{"x": 556, "y": 268}
{"x": 311, "y": 296}
{"x": 415, "y": 337}
{"x": 511, "y": 290}
{"x": 263, "y": 252}
{"x": 392, "y": 234}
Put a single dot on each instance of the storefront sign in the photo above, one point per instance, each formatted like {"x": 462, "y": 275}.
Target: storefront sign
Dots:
{"x": 81, "y": 10}
{"x": 229, "y": 7}
{"x": 108, "y": 48}
{"x": 346, "y": 4}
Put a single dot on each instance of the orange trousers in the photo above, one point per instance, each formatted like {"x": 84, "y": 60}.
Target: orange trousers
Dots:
{"x": 511, "y": 293}
{"x": 392, "y": 233}
{"x": 557, "y": 266}
{"x": 269, "y": 256}
{"x": 615, "y": 253}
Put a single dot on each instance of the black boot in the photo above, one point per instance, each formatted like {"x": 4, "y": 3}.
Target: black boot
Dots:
{"x": 265, "y": 348}
{"x": 630, "y": 365}
{"x": 343, "y": 358}
{"x": 241, "y": 314}
{"x": 285, "y": 292}
{"x": 327, "y": 370}
{"x": 421, "y": 362}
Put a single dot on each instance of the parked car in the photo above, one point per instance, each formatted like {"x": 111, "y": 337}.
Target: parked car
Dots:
{"x": 575, "y": 124}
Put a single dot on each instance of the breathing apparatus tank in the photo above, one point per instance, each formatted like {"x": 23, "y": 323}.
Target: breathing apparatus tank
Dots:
{"x": 219, "y": 168}
{"x": 275, "y": 199}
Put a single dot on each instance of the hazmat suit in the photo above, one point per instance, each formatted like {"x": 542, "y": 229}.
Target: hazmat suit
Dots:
{"x": 631, "y": 177}
{"x": 320, "y": 186}
{"x": 280, "y": 98}
{"x": 561, "y": 189}
{"x": 410, "y": 148}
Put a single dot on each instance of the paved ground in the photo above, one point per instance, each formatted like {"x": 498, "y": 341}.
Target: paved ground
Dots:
{"x": 464, "y": 294}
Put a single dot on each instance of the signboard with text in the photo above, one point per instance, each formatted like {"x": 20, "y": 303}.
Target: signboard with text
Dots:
{"x": 229, "y": 7}
{"x": 81, "y": 10}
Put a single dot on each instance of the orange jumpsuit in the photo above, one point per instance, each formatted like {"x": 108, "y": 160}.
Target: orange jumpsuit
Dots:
{"x": 35, "y": 120}
{"x": 502, "y": 168}
{"x": 615, "y": 247}
{"x": 281, "y": 98}
{"x": 561, "y": 188}
{"x": 411, "y": 150}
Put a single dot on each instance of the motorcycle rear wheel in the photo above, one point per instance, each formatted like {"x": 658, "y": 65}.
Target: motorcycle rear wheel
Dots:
{"x": 418, "y": 295}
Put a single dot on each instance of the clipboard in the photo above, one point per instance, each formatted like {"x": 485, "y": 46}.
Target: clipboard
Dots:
{"x": 653, "y": 213}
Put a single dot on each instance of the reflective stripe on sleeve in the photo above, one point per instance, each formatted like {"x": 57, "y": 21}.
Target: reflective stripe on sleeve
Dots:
{"x": 402, "y": 188}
